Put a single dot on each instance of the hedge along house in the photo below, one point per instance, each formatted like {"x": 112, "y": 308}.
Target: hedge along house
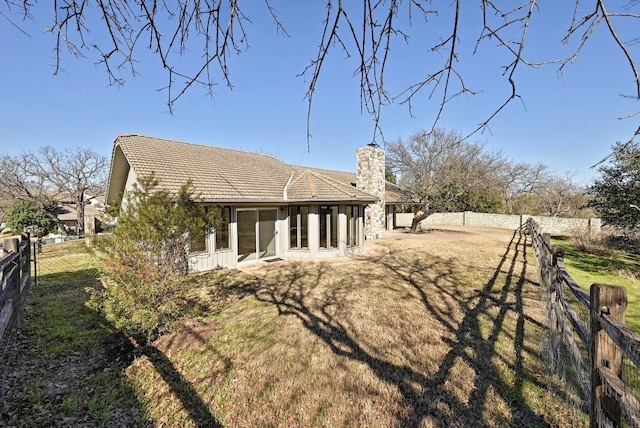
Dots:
{"x": 268, "y": 209}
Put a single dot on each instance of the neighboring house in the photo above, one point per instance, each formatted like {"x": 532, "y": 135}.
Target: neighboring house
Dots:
{"x": 67, "y": 213}
{"x": 269, "y": 209}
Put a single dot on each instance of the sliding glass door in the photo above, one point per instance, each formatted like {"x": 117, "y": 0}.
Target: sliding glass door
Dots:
{"x": 256, "y": 234}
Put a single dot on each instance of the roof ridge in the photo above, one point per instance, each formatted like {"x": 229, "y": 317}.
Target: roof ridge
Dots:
{"x": 312, "y": 187}
{"x": 321, "y": 169}
{"x": 328, "y": 178}
{"x": 338, "y": 185}
{"x": 298, "y": 177}
{"x": 208, "y": 146}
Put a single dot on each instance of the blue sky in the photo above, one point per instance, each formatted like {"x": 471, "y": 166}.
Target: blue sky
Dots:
{"x": 567, "y": 121}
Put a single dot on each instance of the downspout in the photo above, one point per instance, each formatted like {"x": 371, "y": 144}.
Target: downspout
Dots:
{"x": 286, "y": 186}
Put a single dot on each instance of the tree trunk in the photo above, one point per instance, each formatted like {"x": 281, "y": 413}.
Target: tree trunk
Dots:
{"x": 418, "y": 216}
{"x": 61, "y": 226}
{"x": 80, "y": 203}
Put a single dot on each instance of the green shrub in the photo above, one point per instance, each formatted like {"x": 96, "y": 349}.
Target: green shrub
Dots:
{"x": 146, "y": 258}
{"x": 24, "y": 214}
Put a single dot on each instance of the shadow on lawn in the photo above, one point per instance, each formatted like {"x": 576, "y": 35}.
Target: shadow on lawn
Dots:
{"x": 68, "y": 368}
{"x": 425, "y": 395}
{"x": 199, "y": 411}
{"x": 67, "y": 277}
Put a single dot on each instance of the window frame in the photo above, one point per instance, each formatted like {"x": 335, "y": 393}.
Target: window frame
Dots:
{"x": 300, "y": 226}
{"x": 328, "y": 215}
{"x": 353, "y": 229}
{"x": 226, "y": 221}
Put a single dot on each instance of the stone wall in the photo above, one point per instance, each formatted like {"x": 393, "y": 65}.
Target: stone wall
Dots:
{"x": 553, "y": 225}
{"x": 370, "y": 165}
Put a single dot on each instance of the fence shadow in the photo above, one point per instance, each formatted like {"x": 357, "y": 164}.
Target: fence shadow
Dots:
{"x": 424, "y": 393}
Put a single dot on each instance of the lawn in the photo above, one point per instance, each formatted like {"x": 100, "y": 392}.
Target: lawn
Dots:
{"x": 66, "y": 366}
{"x": 606, "y": 267}
{"x": 444, "y": 330}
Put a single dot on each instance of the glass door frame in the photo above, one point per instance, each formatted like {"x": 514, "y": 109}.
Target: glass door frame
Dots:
{"x": 256, "y": 233}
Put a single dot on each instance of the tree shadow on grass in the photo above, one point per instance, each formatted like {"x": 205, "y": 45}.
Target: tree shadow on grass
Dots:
{"x": 198, "y": 410}
{"x": 474, "y": 322}
{"x": 67, "y": 368}
{"x": 65, "y": 278}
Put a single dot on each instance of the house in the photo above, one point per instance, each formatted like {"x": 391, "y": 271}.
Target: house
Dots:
{"x": 269, "y": 209}
{"x": 67, "y": 212}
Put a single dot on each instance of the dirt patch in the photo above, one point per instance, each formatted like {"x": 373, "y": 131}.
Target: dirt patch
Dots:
{"x": 190, "y": 334}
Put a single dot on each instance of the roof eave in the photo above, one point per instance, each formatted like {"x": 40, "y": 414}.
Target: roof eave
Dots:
{"x": 286, "y": 202}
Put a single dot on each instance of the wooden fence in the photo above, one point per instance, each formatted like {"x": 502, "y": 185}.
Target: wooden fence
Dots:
{"x": 597, "y": 346}
{"x": 15, "y": 280}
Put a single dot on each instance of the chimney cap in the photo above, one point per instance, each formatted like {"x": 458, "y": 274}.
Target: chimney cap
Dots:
{"x": 373, "y": 144}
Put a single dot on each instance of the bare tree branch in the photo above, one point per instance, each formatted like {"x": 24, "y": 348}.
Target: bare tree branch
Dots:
{"x": 367, "y": 34}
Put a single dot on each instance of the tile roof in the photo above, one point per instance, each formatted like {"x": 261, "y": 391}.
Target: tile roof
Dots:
{"x": 216, "y": 173}
{"x": 69, "y": 212}
{"x": 222, "y": 174}
{"x": 393, "y": 193}
{"x": 309, "y": 184}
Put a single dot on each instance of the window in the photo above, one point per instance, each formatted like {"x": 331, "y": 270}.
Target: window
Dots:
{"x": 328, "y": 226}
{"x": 223, "y": 216}
{"x": 353, "y": 225}
{"x": 198, "y": 242}
{"x": 298, "y": 218}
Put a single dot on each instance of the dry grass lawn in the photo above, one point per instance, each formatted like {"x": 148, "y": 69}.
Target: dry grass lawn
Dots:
{"x": 439, "y": 329}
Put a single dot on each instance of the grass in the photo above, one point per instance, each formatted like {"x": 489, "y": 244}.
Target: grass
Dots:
{"x": 433, "y": 334}
{"x": 65, "y": 368}
{"x": 71, "y": 261}
{"x": 606, "y": 267}
{"x": 439, "y": 332}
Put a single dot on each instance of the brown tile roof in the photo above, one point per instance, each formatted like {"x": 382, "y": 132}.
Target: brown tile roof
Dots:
{"x": 68, "y": 212}
{"x": 221, "y": 174}
{"x": 309, "y": 184}
{"x": 216, "y": 173}
{"x": 393, "y": 193}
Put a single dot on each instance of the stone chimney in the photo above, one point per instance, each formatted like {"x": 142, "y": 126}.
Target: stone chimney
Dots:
{"x": 370, "y": 178}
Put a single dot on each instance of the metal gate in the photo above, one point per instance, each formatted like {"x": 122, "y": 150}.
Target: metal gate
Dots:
{"x": 63, "y": 263}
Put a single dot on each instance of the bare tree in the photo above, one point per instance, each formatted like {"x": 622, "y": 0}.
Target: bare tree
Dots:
{"x": 80, "y": 173}
{"x": 521, "y": 179}
{"x": 366, "y": 31}
{"x": 560, "y": 196}
{"x": 5, "y": 204}
{"x": 440, "y": 171}
{"x": 20, "y": 182}
{"x": 48, "y": 176}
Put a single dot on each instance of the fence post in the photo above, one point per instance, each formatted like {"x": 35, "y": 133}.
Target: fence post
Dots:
{"x": 554, "y": 285}
{"x": 610, "y": 300}
{"x": 11, "y": 245}
{"x": 35, "y": 265}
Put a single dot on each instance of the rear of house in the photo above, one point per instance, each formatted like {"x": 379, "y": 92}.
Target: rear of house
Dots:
{"x": 268, "y": 209}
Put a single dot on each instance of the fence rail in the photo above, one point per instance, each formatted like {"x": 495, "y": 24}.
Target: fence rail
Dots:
{"x": 15, "y": 280}
{"x": 600, "y": 348}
